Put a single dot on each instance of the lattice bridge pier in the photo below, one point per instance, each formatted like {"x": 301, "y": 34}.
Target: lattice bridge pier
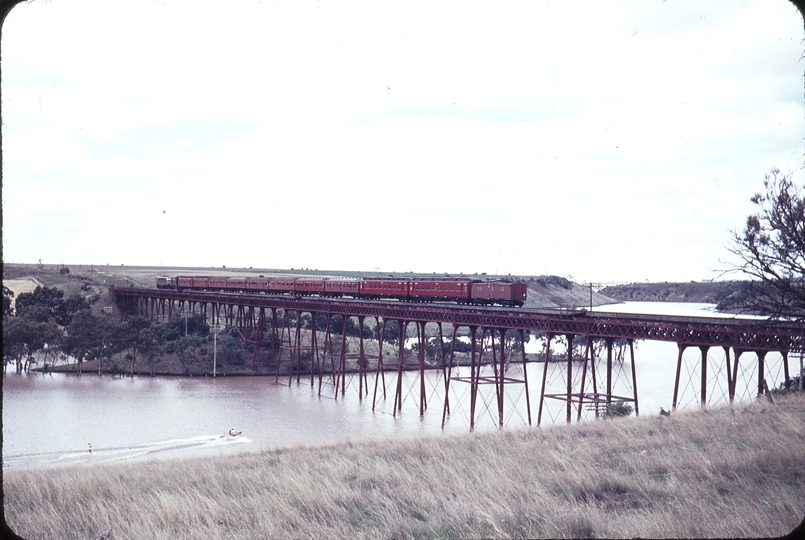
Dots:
{"x": 471, "y": 363}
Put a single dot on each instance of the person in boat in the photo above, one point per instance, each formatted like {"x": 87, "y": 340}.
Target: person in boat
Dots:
{"x": 233, "y": 433}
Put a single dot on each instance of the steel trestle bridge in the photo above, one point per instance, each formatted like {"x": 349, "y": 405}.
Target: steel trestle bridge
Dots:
{"x": 305, "y": 335}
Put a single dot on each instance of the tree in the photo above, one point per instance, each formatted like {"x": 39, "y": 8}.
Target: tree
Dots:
{"x": 53, "y": 350}
{"x": 133, "y": 335}
{"x": 152, "y": 345}
{"x": 189, "y": 351}
{"x": 49, "y": 339}
{"x": 196, "y": 324}
{"x": 108, "y": 330}
{"x": 391, "y": 331}
{"x": 23, "y": 337}
{"x": 36, "y": 313}
{"x": 26, "y": 333}
{"x": 71, "y": 306}
{"x": 41, "y": 296}
{"x": 82, "y": 337}
{"x": 771, "y": 250}
{"x": 14, "y": 337}
{"x": 51, "y": 301}
{"x": 229, "y": 351}
{"x": 8, "y": 294}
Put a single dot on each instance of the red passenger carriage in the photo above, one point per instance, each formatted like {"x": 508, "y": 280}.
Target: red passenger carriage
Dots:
{"x": 281, "y": 285}
{"x": 258, "y": 284}
{"x": 421, "y": 289}
{"x": 428, "y": 289}
{"x": 218, "y": 283}
{"x": 236, "y": 284}
{"x": 184, "y": 282}
{"x": 342, "y": 287}
{"x": 385, "y": 288}
{"x": 308, "y": 286}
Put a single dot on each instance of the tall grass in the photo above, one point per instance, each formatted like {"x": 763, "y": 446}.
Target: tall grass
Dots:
{"x": 731, "y": 472}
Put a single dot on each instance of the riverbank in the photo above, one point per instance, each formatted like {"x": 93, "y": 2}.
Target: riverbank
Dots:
{"x": 170, "y": 366}
{"x": 730, "y": 472}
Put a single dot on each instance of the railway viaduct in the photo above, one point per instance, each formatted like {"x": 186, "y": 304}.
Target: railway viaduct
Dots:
{"x": 308, "y": 335}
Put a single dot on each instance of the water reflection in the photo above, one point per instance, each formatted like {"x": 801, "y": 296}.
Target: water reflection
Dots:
{"x": 49, "y": 420}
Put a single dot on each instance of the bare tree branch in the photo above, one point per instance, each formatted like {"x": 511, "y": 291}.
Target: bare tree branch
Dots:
{"x": 771, "y": 250}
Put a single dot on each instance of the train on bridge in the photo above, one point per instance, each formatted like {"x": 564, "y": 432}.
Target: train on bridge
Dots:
{"x": 419, "y": 289}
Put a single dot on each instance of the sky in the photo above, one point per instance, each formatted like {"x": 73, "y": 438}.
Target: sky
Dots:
{"x": 606, "y": 141}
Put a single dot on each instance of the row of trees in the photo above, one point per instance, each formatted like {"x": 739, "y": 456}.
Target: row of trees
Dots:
{"x": 36, "y": 324}
{"x": 44, "y": 326}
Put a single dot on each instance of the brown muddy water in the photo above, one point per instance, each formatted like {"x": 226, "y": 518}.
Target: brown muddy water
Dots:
{"x": 49, "y": 420}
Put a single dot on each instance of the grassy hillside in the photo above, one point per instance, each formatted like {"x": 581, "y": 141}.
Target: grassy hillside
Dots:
{"x": 558, "y": 292}
{"x": 705, "y": 292}
{"x": 731, "y": 472}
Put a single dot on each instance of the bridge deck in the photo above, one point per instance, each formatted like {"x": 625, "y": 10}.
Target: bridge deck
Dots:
{"x": 745, "y": 334}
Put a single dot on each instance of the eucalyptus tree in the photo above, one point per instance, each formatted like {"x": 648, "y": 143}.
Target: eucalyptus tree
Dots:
{"x": 152, "y": 345}
{"x": 133, "y": 336}
{"x": 81, "y": 337}
{"x": 23, "y": 337}
{"x": 189, "y": 350}
{"x": 771, "y": 250}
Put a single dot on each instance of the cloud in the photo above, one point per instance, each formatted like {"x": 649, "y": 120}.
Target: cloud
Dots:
{"x": 618, "y": 141}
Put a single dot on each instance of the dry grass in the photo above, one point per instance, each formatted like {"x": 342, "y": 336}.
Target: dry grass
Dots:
{"x": 731, "y": 472}
{"x": 22, "y": 285}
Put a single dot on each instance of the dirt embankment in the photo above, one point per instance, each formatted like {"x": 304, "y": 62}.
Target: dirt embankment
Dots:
{"x": 22, "y": 285}
{"x": 558, "y": 292}
{"x": 705, "y": 292}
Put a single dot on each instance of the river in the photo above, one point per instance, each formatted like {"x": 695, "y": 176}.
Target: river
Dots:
{"x": 49, "y": 420}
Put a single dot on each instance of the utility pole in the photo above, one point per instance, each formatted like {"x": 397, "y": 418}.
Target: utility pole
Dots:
{"x": 215, "y": 329}
{"x": 591, "y": 285}
{"x": 184, "y": 314}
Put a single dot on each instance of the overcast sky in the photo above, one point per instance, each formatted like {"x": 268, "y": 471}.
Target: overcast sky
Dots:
{"x": 607, "y": 141}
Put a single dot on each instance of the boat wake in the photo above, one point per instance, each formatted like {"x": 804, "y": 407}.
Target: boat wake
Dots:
{"x": 172, "y": 448}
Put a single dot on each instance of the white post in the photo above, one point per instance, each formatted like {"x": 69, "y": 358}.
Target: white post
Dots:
{"x": 215, "y": 329}
{"x": 801, "y": 372}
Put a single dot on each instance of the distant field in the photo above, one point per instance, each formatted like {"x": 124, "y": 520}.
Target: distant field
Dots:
{"x": 150, "y": 273}
{"x": 21, "y": 285}
{"x": 543, "y": 291}
{"x": 26, "y": 284}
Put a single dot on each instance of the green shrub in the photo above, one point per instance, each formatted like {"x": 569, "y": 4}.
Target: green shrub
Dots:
{"x": 619, "y": 408}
